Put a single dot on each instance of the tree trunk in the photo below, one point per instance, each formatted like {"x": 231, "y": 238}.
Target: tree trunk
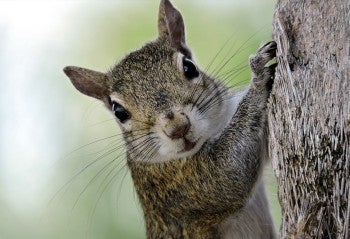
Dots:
{"x": 309, "y": 118}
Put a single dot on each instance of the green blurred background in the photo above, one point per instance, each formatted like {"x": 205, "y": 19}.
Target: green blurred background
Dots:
{"x": 49, "y": 185}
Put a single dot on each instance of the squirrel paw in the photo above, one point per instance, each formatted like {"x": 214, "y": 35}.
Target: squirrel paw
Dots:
{"x": 262, "y": 74}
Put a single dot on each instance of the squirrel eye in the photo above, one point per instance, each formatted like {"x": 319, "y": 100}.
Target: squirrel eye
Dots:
{"x": 120, "y": 112}
{"x": 189, "y": 68}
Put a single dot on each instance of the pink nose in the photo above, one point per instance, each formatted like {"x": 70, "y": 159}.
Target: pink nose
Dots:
{"x": 180, "y": 131}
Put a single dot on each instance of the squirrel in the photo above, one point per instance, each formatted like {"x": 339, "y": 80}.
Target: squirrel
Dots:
{"x": 195, "y": 148}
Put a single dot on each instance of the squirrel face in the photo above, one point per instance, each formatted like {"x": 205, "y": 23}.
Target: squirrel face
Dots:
{"x": 173, "y": 108}
{"x": 166, "y": 107}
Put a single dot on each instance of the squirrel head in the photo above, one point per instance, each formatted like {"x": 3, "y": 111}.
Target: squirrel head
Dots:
{"x": 167, "y": 108}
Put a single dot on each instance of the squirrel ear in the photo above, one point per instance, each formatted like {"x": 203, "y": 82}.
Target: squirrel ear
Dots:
{"x": 172, "y": 27}
{"x": 88, "y": 82}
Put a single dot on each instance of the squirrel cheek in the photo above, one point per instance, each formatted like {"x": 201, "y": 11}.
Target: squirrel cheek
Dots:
{"x": 126, "y": 127}
{"x": 167, "y": 147}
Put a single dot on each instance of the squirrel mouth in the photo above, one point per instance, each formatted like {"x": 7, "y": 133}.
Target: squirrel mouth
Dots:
{"x": 188, "y": 145}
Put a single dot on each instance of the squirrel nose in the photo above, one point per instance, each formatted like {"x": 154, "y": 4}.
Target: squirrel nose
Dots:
{"x": 180, "y": 131}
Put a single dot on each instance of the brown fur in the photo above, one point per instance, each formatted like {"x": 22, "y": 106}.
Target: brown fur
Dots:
{"x": 200, "y": 195}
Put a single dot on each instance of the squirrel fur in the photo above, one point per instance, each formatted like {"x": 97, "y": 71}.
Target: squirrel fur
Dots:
{"x": 194, "y": 148}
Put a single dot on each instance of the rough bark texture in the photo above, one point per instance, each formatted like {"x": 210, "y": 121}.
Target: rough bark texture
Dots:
{"x": 309, "y": 118}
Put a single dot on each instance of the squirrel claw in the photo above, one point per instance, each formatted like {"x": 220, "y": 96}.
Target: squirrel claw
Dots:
{"x": 269, "y": 47}
{"x": 261, "y": 73}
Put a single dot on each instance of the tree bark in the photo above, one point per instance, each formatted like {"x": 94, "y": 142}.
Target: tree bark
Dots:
{"x": 309, "y": 118}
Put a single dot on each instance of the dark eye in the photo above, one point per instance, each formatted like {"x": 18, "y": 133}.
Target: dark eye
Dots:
{"x": 189, "y": 68}
{"x": 120, "y": 112}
